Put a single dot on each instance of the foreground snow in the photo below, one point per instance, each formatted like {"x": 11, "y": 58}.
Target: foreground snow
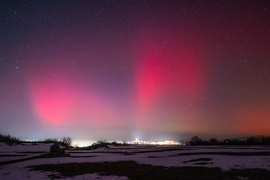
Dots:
{"x": 206, "y": 156}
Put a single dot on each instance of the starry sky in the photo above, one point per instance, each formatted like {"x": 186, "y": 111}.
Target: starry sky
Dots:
{"x": 123, "y": 69}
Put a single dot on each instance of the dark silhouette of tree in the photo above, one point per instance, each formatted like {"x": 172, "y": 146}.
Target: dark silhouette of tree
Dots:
{"x": 255, "y": 141}
{"x": 266, "y": 140}
{"x": 9, "y": 139}
{"x": 66, "y": 142}
{"x": 195, "y": 140}
{"x": 213, "y": 141}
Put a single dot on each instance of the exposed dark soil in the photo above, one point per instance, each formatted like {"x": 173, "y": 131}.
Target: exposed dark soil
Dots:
{"x": 200, "y": 159}
{"x": 11, "y": 155}
{"x": 136, "y": 171}
{"x": 31, "y": 158}
{"x": 265, "y": 153}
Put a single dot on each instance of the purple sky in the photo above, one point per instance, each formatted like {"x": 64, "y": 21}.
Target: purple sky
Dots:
{"x": 123, "y": 69}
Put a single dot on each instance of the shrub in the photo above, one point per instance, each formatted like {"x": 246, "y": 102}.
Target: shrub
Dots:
{"x": 96, "y": 145}
{"x": 100, "y": 144}
{"x": 50, "y": 140}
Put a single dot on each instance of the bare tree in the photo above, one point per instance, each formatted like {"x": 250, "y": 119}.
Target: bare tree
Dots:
{"x": 66, "y": 141}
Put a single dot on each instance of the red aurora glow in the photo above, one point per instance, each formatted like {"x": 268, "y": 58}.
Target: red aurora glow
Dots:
{"x": 166, "y": 70}
{"x": 118, "y": 69}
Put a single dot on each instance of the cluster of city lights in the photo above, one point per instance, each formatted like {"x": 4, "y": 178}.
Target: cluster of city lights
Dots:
{"x": 167, "y": 142}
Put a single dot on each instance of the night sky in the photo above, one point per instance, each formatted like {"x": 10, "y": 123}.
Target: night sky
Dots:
{"x": 118, "y": 70}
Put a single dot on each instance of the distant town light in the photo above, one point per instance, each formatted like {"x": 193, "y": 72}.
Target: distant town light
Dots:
{"x": 167, "y": 142}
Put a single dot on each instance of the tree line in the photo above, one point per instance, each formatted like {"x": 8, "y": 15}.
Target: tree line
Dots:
{"x": 10, "y": 140}
{"x": 253, "y": 140}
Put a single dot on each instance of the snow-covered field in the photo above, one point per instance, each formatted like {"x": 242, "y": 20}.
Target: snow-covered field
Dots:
{"x": 224, "y": 157}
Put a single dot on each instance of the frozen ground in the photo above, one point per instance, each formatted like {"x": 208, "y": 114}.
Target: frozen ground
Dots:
{"x": 224, "y": 157}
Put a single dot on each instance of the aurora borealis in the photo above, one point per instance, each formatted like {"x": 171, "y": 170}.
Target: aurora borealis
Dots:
{"x": 126, "y": 69}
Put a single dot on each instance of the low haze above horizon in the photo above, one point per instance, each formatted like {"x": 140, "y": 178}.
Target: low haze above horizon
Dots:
{"x": 120, "y": 70}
